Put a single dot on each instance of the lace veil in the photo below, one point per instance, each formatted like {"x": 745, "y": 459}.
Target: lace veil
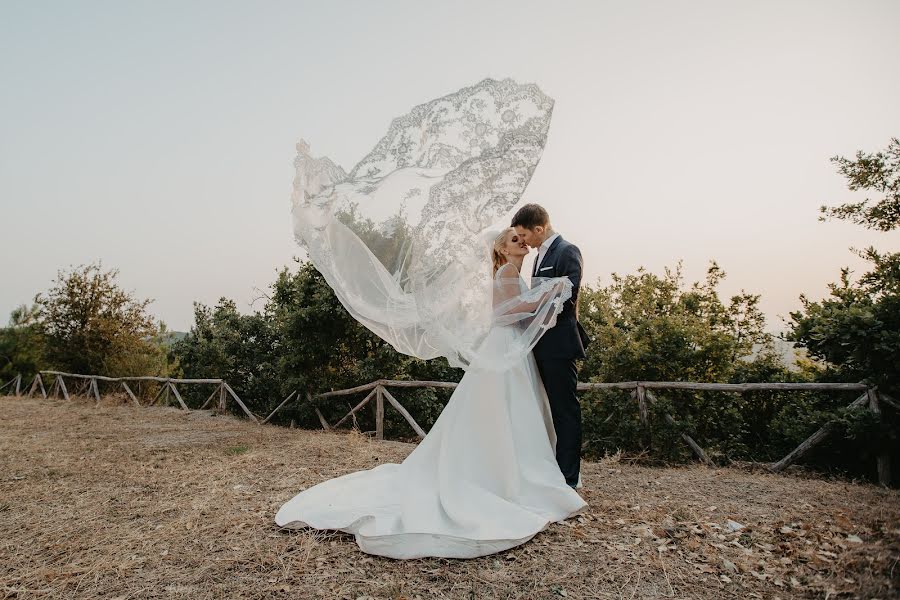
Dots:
{"x": 405, "y": 237}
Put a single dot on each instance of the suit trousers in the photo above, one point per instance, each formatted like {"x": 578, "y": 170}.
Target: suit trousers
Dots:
{"x": 560, "y": 377}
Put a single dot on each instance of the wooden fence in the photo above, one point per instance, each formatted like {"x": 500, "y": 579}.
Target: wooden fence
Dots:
{"x": 89, "y": 387}
{"x": 643, "y": 392}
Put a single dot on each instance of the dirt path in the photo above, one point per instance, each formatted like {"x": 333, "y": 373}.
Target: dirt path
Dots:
{"x": 126, "y": 502}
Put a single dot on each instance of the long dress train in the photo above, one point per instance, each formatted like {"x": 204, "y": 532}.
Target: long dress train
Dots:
{"x": 483, "y": 480}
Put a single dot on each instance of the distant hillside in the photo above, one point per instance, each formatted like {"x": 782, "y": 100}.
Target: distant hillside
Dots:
{"x": 788, "y": 351}
{"x": 170, "y": 337}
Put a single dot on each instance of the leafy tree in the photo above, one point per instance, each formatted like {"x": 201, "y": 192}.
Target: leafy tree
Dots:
{"x": 856, "y": 329}
{"x": 654, "y": 328}
{"x": 93, "y": 326}
{"x": 22, "y": 344}
{"x": 649, "y": 327}
{"x": 303, "y": 340}
{"x": 878, "y": 172}
{"x": 241, "y": 349}
{"x": 324, "y": 348}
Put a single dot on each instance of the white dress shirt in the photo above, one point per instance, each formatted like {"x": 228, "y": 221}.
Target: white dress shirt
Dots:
{"x": 542, "y": 251}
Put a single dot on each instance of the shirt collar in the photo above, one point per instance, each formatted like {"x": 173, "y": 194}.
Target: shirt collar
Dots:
{"x": 546, "y": 244}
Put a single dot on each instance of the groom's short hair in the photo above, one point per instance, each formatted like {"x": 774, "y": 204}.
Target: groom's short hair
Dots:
{"x": 530, "y": 216}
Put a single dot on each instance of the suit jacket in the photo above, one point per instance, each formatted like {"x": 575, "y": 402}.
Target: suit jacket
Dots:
{"x": 564, "y": 341}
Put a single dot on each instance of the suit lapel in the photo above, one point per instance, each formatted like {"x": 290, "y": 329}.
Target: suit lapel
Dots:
{"x": 550, "y": 251}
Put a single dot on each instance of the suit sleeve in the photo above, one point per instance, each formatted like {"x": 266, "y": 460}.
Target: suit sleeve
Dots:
{"x": 571, "y": 268}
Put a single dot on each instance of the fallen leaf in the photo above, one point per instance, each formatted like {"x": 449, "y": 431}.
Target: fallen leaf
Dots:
{"x": 733, "y": 525}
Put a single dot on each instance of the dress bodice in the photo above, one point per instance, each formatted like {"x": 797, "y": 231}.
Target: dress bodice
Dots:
{"x": 508, "y": 283}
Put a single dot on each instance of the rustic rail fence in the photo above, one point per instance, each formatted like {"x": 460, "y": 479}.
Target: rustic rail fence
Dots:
{"x": 89, "y": 387}
{"x": 641, "y": 391}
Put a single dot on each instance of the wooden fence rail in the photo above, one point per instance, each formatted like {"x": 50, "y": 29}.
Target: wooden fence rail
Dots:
{"x": 90, "y": 388}
{"x": 640, "y": 391}
{"x": 14, "y": 384}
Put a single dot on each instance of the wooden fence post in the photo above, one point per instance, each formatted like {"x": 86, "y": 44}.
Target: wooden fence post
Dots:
{"x": 130, "y": 393}
{"x": 14, "y": 385}
{"x": 688, "y": 439}
{"x": 412, "y": 422}
{"x": 283, "y": 402}
{"x": 814, "y": 439}
{"x": 158, "y": 394}
{"x": 641, "y": 393}
{"x": 322, "y": 420}
{"x": 354, "y": 409}
{"x": 240, "y": 403}
{"x": 309, "y": 400}
{"x": 62, "y": 386}
{"x": 319, "y": 414}
{"x": 178, "y": 396}
{"x": 211, "y": 397}
{"x": 379, "y": 413}
{"x": 883, "y": 460}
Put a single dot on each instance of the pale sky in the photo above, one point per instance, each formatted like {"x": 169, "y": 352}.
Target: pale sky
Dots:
{"x": 158, "y": 136}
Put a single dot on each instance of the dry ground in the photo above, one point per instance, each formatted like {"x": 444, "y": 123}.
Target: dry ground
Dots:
{"x": 116, "y": 501}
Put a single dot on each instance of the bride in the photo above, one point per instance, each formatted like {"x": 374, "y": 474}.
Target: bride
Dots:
{"x": 404, "y": 240}
{"x": 483, "y": 480}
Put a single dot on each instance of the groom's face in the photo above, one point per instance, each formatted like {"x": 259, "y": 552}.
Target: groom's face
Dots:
{"x": 532, "y": 237}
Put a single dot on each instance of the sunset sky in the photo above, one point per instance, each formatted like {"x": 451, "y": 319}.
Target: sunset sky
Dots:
{"x": 158, "y": 137}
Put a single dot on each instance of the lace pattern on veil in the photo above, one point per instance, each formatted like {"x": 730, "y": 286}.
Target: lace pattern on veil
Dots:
{"x": 401, "y": 237}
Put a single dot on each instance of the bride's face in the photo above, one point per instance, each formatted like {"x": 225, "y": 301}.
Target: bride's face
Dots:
{"x": 514, "y": 245}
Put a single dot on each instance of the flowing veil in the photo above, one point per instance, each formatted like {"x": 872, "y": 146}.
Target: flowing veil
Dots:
{"x": 404, "y": 238}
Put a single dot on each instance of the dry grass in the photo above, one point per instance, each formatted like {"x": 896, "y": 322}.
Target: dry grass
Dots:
{"x": 115, "y": 501}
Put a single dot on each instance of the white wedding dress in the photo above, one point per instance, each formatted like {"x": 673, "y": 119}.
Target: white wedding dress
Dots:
{"x": 483, "y": 480}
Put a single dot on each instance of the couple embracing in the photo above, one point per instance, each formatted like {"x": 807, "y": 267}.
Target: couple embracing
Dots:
{"x": 503, "y": 459}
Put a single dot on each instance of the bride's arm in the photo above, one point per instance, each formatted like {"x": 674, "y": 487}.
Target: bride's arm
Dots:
{"x": 507, "y": 291}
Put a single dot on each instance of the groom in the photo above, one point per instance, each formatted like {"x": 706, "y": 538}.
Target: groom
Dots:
{"x": 560, "y": 346}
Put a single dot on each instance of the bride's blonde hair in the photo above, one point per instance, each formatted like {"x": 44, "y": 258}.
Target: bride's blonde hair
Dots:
{"x": 496, "y": 256}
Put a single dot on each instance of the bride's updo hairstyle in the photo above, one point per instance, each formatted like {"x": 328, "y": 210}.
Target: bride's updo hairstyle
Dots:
{"x": 497, "y": 256}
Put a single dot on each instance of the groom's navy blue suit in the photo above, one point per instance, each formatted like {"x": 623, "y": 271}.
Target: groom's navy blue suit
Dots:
{"x": 556, "y": 353}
